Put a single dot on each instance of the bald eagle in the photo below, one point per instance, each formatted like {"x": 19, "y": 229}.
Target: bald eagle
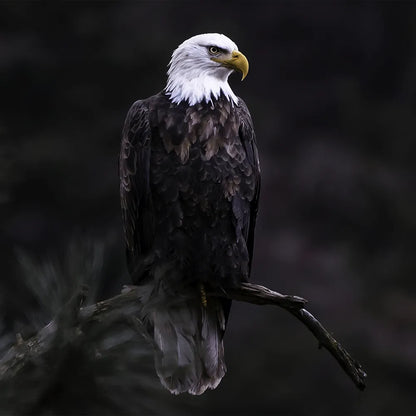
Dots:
{"x": 189, "y": 184}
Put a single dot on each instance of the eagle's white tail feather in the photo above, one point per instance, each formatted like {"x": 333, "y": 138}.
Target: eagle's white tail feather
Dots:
{"x": 188, "y": 338}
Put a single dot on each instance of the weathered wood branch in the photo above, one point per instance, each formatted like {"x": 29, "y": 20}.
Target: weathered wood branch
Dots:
{"x": 127, "y": 304}
{"x": 352, "y": 367}
{"x": 261, "y": 295}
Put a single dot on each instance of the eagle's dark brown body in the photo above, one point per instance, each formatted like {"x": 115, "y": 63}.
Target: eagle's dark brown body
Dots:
{"x": 189, "y": 190}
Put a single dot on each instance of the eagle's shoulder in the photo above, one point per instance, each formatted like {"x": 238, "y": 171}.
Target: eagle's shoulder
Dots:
{"x": 244, "y": 114}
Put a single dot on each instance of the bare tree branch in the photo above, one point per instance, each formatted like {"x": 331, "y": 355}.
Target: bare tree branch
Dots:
{"x": 261, "y": 295}
{"x": 127, "y": 305}
{"x": 352, "y": 367}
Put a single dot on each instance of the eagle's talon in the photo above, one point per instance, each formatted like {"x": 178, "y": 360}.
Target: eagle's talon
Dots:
{"x": 203, "y": 295}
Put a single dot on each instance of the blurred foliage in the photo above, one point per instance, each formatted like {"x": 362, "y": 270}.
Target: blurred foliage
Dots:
{"x": 101, "y": 369}
{"x": 332, "y": 90}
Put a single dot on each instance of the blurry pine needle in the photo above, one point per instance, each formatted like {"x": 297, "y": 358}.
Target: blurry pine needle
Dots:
{"x": 105, "y": 369}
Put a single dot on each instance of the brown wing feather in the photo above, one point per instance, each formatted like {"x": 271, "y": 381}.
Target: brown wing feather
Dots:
{"x": 135, "y": 192}
{"x": 248, "y": 138}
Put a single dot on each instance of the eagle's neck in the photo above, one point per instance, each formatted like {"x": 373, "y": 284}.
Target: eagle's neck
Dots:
{"x": 199, "y": 86}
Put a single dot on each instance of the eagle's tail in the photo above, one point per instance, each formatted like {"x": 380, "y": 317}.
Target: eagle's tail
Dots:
{"x": 188, "y": 340}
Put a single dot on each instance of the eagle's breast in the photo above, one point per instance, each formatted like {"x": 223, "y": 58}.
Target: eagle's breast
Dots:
{"x": 202, "y": 184}
{"x": 211, "y": 127}
{"x": 205, "y": 137}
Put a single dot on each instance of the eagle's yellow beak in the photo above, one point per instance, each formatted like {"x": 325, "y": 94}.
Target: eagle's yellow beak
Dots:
{"x": 237, "y": 62}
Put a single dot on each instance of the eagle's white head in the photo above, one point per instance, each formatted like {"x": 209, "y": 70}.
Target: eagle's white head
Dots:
{"x": 200, "y": 67}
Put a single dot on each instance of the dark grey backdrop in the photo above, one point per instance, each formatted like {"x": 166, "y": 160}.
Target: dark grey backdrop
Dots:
{"x": 332, "y": 91}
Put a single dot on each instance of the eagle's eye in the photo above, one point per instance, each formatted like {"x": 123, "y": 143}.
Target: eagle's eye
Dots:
{"x": 214, "y": 50}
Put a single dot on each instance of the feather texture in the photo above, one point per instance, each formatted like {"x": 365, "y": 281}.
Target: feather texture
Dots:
{"x": 190, "y": 353}
{"x": 189, "y": 186}
{"x": 187, "y": 336}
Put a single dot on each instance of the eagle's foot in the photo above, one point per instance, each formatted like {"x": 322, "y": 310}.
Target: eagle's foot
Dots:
{"x": 203, "y": 295}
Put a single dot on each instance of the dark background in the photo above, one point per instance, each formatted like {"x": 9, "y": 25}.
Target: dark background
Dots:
{"x": 332, "y": 91}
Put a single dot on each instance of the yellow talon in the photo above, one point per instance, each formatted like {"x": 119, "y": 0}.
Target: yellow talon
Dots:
{"x": 203, "y": 295}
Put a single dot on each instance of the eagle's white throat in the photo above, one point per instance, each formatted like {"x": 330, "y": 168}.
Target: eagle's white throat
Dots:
{"x": 194, "y": 77}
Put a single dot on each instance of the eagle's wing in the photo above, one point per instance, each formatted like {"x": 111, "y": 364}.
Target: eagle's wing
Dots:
{"x": 248, "y": 138}
{"x": 136, "y": 201}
